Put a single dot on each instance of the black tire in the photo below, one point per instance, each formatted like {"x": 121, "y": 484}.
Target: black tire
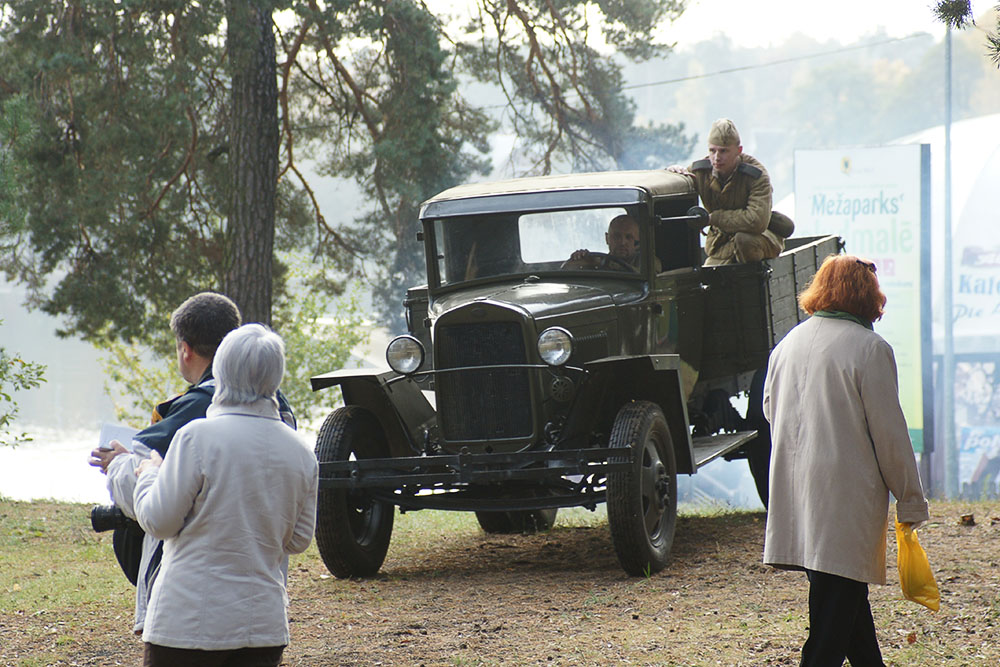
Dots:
{"x": 642, "y": 501}
{"x": 523, "y": 521}
{"x": 352, "y": 529}
{"x": 759, "y": 449}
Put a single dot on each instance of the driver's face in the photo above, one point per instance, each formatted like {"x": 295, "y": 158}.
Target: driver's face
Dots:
{"x": 622, "y": 238}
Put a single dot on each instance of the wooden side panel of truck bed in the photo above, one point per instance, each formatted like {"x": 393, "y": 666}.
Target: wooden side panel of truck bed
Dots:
{"x": 790, "y": 274}
{"x": 750, "y": 307}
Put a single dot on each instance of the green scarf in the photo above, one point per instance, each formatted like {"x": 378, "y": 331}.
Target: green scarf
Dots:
{"x": 841, "y": 315}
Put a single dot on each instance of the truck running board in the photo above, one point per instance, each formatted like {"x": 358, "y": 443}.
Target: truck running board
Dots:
{"x": 711, "y": 447}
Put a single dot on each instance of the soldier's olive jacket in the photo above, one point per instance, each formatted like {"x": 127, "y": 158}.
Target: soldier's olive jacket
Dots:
{"x": 743, "y": 204}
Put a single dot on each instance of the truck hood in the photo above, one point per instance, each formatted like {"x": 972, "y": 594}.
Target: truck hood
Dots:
{"x": 542, "y": 299}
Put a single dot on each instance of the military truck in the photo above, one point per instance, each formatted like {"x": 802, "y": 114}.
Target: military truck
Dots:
{"x": 532, "y": 380}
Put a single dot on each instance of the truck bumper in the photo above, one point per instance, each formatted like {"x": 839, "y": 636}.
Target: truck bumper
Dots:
{"x": 481, "y": 482}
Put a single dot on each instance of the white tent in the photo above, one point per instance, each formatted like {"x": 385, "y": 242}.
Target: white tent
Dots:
{"x": 975, "y": 226}
{"x": 975, "y": 198}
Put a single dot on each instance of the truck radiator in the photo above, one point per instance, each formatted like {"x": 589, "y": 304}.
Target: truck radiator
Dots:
{"x": 486, "y": 404}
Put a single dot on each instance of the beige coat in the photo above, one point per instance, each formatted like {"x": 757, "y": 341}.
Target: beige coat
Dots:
{"x": 840, "y": 445}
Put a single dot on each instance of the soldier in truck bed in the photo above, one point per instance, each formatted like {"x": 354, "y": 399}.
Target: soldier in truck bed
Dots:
{"x": 736, "y": 190}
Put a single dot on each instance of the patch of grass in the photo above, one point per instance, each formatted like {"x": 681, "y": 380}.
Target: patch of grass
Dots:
{"x": 581, "y": 517}
{"x": 417, "y": 526}
{"x": 597, "y": 600}
{"x": 39, "y": 661}
{"x": 85, "y": 573}
{"x": 713, "y": 508}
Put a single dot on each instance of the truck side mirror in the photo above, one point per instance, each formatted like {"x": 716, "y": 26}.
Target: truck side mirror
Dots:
{"x": 698, "y": 215}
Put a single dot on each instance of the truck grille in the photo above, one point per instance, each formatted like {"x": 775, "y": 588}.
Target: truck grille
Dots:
{"x": 487, "y": 404}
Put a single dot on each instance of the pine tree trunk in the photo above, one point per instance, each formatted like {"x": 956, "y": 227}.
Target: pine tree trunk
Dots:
{"x": 253, "y": 158}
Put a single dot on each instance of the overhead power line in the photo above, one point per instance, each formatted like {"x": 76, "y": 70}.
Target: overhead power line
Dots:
{"x": 772, "y": 63}
{"x": 706, "y": 75}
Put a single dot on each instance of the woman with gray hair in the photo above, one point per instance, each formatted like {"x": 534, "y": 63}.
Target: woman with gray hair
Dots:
{"x": 235, "y": 497}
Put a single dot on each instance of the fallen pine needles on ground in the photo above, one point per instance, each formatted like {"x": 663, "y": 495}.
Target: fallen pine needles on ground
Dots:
{"x": 450, "y": 595}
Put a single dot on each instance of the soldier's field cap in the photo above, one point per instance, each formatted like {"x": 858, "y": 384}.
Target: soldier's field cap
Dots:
{"x": 723, "y": 133}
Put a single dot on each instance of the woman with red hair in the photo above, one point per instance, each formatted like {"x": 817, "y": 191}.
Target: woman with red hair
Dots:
{"x": 840, "y": 446}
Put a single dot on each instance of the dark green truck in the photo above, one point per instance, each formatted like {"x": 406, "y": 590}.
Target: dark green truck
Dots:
{"x": 530, "y": 382}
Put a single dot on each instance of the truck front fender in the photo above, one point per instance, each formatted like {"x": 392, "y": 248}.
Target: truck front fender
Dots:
{"x": 612, "y": 382}
{"x": 396, "y": 402}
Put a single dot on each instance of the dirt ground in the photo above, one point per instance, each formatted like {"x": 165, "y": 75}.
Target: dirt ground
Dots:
{"x": 450, "y": 595}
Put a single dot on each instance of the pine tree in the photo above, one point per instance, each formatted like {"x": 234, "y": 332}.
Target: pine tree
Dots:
{"x": 165, "y": 162}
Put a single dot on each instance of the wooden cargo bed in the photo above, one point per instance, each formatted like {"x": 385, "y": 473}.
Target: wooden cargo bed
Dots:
{"x": 750, "y": 307}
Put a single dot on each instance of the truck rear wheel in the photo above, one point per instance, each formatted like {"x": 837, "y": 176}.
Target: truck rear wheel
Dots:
{"x": 642, "y": 501}
{"x": 524, "y": 521}
{"x": 759, "y": 449}
{"x": 352, "y": 529}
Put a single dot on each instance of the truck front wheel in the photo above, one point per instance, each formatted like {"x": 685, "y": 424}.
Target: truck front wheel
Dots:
{"x": 642, "y": 500}
{"x": 352, "y": 529}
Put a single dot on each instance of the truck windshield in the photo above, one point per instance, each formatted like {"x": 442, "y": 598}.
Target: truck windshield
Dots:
{"x": 483, "y": 246}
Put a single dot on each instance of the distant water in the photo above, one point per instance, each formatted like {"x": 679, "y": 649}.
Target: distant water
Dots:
{"x": 52, "y": 466}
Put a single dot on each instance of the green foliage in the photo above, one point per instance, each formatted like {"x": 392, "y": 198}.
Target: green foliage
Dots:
{"x": 397, "y": 125}
{"x": 123, "y": 199}
{"x": 559, "y": 67}
{"x": 121, "y": 193}
{"x": 16, "y": 375}
{"x": 319, "y": 334}
{"x": 954, "y": 13}
{"x": 16, "y": 136}
{"x": 137, "y": 379}
{"x": 957, "y": 14}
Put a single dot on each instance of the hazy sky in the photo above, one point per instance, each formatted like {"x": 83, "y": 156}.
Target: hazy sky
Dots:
{"x": 757, "y": 23}
{"x": 767, "y": 22}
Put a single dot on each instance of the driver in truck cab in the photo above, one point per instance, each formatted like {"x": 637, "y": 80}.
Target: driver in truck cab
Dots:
{"x": 622, "y": 238}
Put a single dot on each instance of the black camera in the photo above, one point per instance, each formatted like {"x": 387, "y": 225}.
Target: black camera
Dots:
{"x": 107, "y": 517}
{"x": 127, "y": 541}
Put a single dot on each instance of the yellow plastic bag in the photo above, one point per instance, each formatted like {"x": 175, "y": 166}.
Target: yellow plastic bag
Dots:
{"x": 915, "y": 576}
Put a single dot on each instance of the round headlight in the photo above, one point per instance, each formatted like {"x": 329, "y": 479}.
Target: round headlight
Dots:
{"x": 405, "y": 354}
{"x": 555, "y": 345}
